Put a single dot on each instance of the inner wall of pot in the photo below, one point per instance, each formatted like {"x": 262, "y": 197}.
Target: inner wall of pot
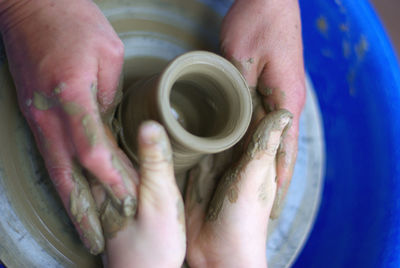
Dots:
{"x": 203, "y": 101}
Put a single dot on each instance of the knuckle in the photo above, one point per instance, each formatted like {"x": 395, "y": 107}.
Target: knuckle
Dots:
{"x": 153, "y": 165}
{"x": 116, "y": 50}
{"x": 59, "y": 175}
{"x": 90, "y": 158}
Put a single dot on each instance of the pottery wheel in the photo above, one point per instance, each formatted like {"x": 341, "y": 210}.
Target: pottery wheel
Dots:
{"x": 34, "y": 228}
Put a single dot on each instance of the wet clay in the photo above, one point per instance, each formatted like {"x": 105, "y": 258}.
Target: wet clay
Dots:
{"x": 202, "y": 101}
{"x": 83, "y": 211}
{"x": 112, "y": 220}
{"x": 228, "y": 187}
{"x": 42, "y": 102}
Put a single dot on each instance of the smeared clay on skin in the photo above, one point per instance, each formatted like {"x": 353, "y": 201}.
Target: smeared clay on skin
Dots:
{"x": 71, "y": 108}
{"x": 242, "y": 66}
{"x": 262, "y": 192}
{"x": 59, "y": 88}
{"x": 229, "y": 184}
{"x": 111, "y": 219}
{"x": 42, "y": 102}
{"x": 277, "y": 206}
{"x": 93, "y": 89}
{"x": 266, "y": 91}
{"x": 129, "y": 204}
{"x": 89, "y": 127}
{"x": 203, "y": 177}
{"x": 82, "y": 205}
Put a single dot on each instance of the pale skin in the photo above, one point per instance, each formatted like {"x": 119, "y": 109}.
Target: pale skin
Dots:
{"x": 66, "y": 61}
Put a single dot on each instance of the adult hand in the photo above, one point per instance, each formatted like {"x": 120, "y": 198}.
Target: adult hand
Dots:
{"x": 227, "y": 216}
{"x": 263, "y": 40}
{"x": 156, "y": 236}
{"x": 66, "y": 60}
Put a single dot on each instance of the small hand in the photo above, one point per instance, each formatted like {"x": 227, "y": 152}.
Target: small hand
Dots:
{"x": 263, "y": 40}
{"x": 227, "y": 211}
{"x": 156, "y": 236}
{"x": 66, "y": 61}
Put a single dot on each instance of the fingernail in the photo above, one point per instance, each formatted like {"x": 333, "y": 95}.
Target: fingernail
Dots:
{"x": 153, "y": 134}
{"x": 150, "y": 132}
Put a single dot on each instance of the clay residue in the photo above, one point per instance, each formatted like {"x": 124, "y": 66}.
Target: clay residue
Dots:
{"x": 59, "y": 88}
{"x": 262, "y": 192}
{"x": 361, "y": 47}
{"x": 129, "y": 204}
{"x": 228, "y": 187}
{"x": 93, "y": 89}
{"x": 89, "y": 126}
{"x": 344, "y": 27}
{"x": 322, "y": 25}
{"x": 266, "y": 91}
{"x": 242, "y": 65}
{"x": 41, "y": 101}
{"x": 83, "y": 212}
{"x": 111, "y": 219}
{"x": 71, "y": 108}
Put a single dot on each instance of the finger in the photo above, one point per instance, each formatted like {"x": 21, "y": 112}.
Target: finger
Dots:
{"x": 67, "y": 178}
{"x": 201, "y": 184}
{"x": 286, "y": 160}
{"x": 109, "y": 86}
{"x": 158, "y": 190}
{"x": 252, "y": 174}
{"x": 93, "y": 148}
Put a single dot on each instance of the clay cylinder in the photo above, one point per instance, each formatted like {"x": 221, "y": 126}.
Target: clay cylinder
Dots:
{"x": 200, "y": 98}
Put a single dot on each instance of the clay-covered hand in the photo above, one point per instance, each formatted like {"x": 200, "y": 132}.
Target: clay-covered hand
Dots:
{"x": 156, "y": 236}
{"x": 263, "y": 40}
{"x": 66, "y": 61}
{"x": 227, "y": 210}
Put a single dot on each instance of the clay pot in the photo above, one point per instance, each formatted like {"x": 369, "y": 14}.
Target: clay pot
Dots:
{"x": 201, "y": 99}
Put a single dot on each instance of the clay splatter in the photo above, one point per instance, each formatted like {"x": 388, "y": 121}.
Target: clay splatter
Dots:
{"x": 361, "y": 47}
{"x": 111, "y": 219}
{"x": 71, "y": 108}
{"x": 83, "y": 211}
{"x": 89, "y": 128}
{"x": 322, "y": 25}
{"x": 42, "y": 102}
{"x": 59, "y": 88}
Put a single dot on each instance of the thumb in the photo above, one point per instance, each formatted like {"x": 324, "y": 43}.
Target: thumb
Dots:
{"x": 157, "y": 185}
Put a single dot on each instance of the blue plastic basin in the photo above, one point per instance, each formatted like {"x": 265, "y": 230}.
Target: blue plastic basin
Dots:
{"x": 357, "y": 81}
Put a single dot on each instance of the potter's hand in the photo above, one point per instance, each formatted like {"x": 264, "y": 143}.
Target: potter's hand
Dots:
{"x": 66, "y": 60}
{"x": 156, "y": 236}
{"x": 227, "y": 213}
{"x": 263, "y": 40}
